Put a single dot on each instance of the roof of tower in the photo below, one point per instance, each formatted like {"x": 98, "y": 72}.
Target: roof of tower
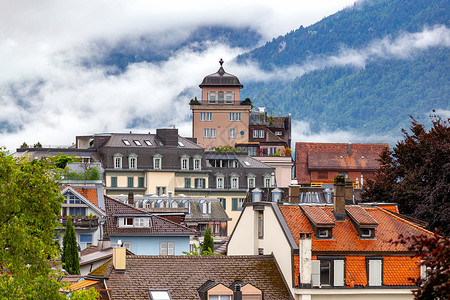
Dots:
{"x": 221, "y": 78}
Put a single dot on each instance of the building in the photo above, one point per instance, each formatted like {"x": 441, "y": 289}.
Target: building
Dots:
{"x": 82, "y": 204}
{"x": 148, "y": 163}
{"x": 340, "y": 251}
{"x": 221, "y": 119}
{"x": 191, "y": 277}
{"x": 317, "y": 164}
{"x": 144, "y": 233}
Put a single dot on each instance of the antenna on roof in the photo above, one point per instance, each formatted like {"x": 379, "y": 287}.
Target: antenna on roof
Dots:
{"x": 221, "y": 62}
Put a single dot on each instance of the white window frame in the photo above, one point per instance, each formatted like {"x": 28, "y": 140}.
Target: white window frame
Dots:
{"x": 117, "y": 160}
{"x": 232, "y": 133}
{"x": 255, "y": 133}
{"x": 213, "y": 133}
{"x": 261, "y": 133}
{"x": 161, "y": 190}
{"x": 209, "y": 116}
{"x": 267, "y": 181}
{"x": 132, "y": 161}
{"x": 157, "y": 162}
{"x": 220, "y": 180}
{"x": 202, "y": 116}
{"x": 234, "y": 182}
{"x": 278, "y": 132}
{"x": 206, "y": 133}
{"x": 229, "y": 97}
{"x": 197, "y": 163}
{"x": 184, "y": 162}
{"x": 238, "y": 116}
{"x": 251, "y": 181}
{"x": 139, "y": 222}
{"x": 231, "y": 116}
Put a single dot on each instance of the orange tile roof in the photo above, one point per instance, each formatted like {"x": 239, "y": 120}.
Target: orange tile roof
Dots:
{"x": 390, "y": 207}
{"x": 82, "y": 284}
{"x": 317, "y": 215}
{"x": 345, "y": 237}
{"x": 360, "y": 215}
{"x": 399, "y": 270}
{"x": 355, "y": 271}
{"x": 90, "y": 194}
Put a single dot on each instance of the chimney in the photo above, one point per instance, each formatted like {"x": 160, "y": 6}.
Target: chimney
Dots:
{"x": 348, "y": 191}
{"x": 169, "y": 136}
{"x": 119, "y": 259}
{"x": 339, "y": 198}
{"x": 131, "y": 198}
{"x": 237, "y": 293}
{"x": 294, "y": 193}
{"x": 104, "y": 243}
{"x": 349, "y": 149}
{"x": 305, "y": 259}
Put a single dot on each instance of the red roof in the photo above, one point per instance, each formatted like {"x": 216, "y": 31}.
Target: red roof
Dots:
{"x": 398, "y": 266}
{"x": 90, "y": 194}
{"x": 335, "y": 156}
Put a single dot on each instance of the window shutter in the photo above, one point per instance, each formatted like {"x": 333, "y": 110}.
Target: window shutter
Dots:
{"x": 113, "y": 181}
{"x": 187, "y": 183}
{"x": 170, "y": 248}
{"x": 209, "y": 207}
{"x": 224, "y": 203}
{"x": 315, "y": 272}
{"x": 375, "y": 272}
{"x": 338, "y": 273}
{"x": 163, "y": 248}
{"x": 234, "y": 204}
{"x": 141, "y": 181}
{"x": 203, "y": 183}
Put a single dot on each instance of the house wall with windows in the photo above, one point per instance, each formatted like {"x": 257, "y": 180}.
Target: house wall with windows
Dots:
{"x": 154, "y": 245}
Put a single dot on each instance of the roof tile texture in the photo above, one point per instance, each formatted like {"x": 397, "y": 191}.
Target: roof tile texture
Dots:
{"x": 317, "y": 215}
{"x": 184, "y": 275}
{"x": 360, "y": 214}
{"x": 317, "y": 156}
{"x": 90, "y": 194}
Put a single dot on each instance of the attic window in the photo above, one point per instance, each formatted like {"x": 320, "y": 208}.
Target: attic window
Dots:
{"x": 278, "y": 133}
{"x": 366, "y": 233}
{"x": 126, "y": 142}
{"x": 148, "y": 143}
{"x": 180, "y": 144}
{"x": 246, "y": 163}
{"x": 159, "y": 143}
{"x": 323, "y": 233}
{"x": 138, "y": 143}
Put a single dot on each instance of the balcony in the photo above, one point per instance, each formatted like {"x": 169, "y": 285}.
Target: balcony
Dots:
{"x": 82, "y": 222}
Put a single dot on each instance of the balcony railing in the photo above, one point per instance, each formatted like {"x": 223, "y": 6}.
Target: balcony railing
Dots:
{"x": 83, "y": 222}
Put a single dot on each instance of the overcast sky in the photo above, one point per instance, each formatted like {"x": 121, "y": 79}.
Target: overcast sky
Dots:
{"x": 49, "y": 94}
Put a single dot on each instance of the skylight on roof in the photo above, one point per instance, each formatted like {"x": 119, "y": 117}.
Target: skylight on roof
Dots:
{"x": 159, "y": 143}
{"x": 246, "y": 163}
{"x": 159, "y": 295}
{"x": 126, "y": 142}
{"x": 180, "y": 144}
{"x": 148, "y": 143}
{"x": 137, "y": 142}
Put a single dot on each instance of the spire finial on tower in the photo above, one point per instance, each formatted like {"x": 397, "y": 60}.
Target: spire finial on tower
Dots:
{"x": 221, "y": 62}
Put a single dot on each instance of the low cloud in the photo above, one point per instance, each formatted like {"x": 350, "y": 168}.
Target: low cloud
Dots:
{"x": 405, "y": 46}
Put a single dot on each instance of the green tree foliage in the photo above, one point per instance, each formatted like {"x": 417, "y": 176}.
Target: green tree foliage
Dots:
{"x": 434, "y": 252}
{"x": 70, "y": 259}
{"x": 29, "y": 204}
{"x": 37, "y": 145}
{"x": 62, "y": 161}
{"x": 416, "y": 174}
{"x": 90, "y": 294}
{"x": 69, "y": 174}
{"x": 208, "y": 243}
{"x": 24, "y": 146}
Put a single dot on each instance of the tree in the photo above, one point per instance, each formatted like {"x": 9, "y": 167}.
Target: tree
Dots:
{"x": 69, "y": 257}
{"x": 416, "y": 174}
{"x": 434, "y": 252}
{"x": 24, "y": 146}
{"x": 37, "y": 145}
{"x": 208, "y": 243}
{"x": 30, "y": 202}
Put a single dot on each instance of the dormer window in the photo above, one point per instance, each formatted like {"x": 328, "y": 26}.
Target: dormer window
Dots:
{"x": 117, "y": 159}
{"x": 251, "y": 181}
{"x": 184, "y": 162}
{"x": 323, "y": 233}
{"x": 267, "y": 181}
{"x": 366, "y": 233}
{"x": 234, "y": 182}
{"x": 132, "y": 161}
{"x": 157, "y": 162}
{"x": 220, "y": 181}
{"x": 197, "y": 163}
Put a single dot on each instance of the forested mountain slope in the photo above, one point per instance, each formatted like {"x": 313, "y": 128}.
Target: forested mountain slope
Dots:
{"x": 374, "y": 98}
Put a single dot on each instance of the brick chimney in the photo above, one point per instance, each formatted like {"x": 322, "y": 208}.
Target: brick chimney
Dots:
{"x": 119, "y": 259}
{"x": 349, "y": 151}
{"x": 339, "y": 198}
{"x": 104, "y": 243}
{"x": 348, "y": 191}
{"x": 131, "y": 198}
{"x": 169, "y": 136}
{"x": 305, "y": 259}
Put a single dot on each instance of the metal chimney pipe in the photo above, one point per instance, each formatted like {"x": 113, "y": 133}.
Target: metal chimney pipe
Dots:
{"x": 237, "y": 293}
